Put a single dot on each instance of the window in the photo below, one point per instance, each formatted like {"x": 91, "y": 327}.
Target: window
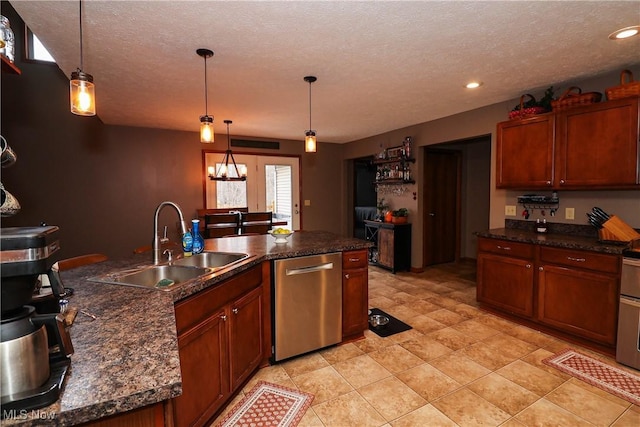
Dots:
{"x": 36, "y": 50}
{"x": 273, "y": 184}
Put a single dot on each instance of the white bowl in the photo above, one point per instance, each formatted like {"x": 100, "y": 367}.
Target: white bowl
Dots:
{"x": 280, "y": 237}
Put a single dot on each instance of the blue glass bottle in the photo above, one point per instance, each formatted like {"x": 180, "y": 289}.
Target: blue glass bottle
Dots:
{"x": 198, "y": 241}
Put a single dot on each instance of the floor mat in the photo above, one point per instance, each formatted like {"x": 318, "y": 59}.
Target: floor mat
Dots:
{"x": 268, "y": 404}
{"x": 606, "y": 377}
{"x": 393, "y": 327}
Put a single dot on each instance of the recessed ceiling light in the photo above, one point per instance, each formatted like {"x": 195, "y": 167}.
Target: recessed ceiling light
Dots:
{"x": 625, "y": 33}
{"x": 473, "y": 85}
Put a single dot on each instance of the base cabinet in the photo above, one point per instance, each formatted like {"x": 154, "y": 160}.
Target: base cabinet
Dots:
{"x": 571, "y": 291}
{"x": 355, "y": 294}
{"x": 221, "y": 343}
{"x": 578, "y": 293}
{"x": 392, "y": 245}
{"x": 506, "y": 283}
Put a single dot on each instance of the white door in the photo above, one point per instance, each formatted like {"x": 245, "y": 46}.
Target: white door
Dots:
{"x": 273, "y": 184}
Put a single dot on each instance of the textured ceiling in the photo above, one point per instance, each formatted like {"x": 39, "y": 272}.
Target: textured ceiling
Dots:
{"x": 380, "y": 65}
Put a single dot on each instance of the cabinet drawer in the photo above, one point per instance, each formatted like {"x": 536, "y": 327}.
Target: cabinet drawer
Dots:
{"x": 354, "y": 259}
{"x": 581, "y": 259}
{"x": 505, "y": 247}
{"x": 197, "y": 308}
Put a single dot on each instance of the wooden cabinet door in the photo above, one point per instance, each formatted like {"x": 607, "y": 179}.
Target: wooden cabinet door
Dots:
{"x": 354, "y": 302}
{"x": 204, "y": 366}
{"x": 386, "y": 247}
{"x": 579, "y": 302}
{"x": 245, "y": 336}
{"x": 525, "y": 150}
{"x": 597, "y": 145}
{"x": 506, "y": 283}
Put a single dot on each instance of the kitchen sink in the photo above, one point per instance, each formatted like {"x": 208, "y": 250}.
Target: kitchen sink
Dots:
{"x": 156, "y": 276}
{"x": 215, "y": 260}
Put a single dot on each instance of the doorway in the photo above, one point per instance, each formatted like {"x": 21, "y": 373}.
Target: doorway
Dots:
{"x": 442, "y": 184}
{"x": 273, "y": 184}
{"x": 364, "y": 195}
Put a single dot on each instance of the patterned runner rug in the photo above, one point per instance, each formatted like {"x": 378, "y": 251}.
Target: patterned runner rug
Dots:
{"x": 269, "y": 405}
{"x": 609, "y": 378}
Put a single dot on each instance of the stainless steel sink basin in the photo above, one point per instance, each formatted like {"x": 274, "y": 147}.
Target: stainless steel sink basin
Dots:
{"x": 215, "y": 260}
{"x": 158, "y": 276}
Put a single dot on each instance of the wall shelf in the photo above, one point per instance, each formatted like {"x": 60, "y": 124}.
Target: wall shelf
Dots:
{"x": 9, "y": 67}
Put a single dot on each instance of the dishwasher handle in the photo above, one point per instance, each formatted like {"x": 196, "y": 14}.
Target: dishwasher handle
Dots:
{"x": 310, "y": 269}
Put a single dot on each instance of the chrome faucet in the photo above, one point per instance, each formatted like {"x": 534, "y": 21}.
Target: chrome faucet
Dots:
{"x": 156, "y": 237}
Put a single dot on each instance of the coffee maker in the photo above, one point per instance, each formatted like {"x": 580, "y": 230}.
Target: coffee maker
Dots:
{"x": 35, "y": 346}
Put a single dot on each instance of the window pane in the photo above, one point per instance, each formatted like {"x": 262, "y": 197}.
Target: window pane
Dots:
{"x": 231, "y": 194}
{"x": 36, "y": 49}
{"x": 278, "y": 191}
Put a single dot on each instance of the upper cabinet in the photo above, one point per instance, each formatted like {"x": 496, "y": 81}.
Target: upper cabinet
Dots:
{"x": 588, "y": 147}
{"x": 525, "y": 152}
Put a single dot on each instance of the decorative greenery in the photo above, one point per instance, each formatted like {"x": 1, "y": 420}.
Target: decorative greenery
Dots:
{"x": 400, "y": 212}
{"x": 544, "y": 102}
{"x": 382, "y": 206}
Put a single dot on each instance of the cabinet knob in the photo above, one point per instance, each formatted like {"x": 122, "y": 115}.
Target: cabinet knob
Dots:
{"x": 562, "y": 181}
{"x": 223, "y": 317}
{"x": 432, "y": 214}
{"x": 235, "y": 311}
{"x": 548, "y": 182}
{"x": 346, "y": 276}
{"x": 541, "y": 268}
{"x": 528, "y": 265}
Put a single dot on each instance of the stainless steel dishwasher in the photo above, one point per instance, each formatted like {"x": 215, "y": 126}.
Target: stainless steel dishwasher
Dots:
{"x": 307, "y": 308}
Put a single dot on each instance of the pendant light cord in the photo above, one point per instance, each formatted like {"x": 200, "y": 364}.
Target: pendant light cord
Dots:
{"x": 206, "y": 98}
{"x": 310, "y": 105}
{"x": 81, "y": 54}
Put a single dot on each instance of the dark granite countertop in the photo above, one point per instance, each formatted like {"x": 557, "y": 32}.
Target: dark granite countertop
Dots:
{"x": 555, "y": 239}
{"x": 128, "y": 356}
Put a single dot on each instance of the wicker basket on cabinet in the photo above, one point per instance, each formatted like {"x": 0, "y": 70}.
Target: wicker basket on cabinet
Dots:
{"x": 627, "y": 87}
{"x": 573, "y": 97}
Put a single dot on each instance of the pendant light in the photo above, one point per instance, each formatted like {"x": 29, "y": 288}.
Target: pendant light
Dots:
{"x": 222, "y": 173}
{"x": 82, "y": 95}
{"x": 206, "y": 121}
{"x": 310, "y": 135}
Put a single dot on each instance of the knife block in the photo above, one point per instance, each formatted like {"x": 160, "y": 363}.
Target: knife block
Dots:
{"x": 616, "y": 229}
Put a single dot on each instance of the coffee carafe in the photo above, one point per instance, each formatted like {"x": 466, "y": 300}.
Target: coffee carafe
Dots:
{"x": 34, "y": 347}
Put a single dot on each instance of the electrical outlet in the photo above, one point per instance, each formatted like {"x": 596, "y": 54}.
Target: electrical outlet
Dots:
{"x": 569, "y": 213}
{"x": 510, "y": 210}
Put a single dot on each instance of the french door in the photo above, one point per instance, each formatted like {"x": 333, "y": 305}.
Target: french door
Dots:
{"x": 273, "y": 184}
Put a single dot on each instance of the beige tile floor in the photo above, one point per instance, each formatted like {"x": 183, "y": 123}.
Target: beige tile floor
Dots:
{"x": 458, "y": 366}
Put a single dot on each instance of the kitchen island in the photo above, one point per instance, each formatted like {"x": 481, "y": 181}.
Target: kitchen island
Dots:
{"x": 128, "y": 357}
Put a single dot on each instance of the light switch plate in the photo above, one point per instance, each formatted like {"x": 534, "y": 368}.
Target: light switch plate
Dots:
{"x": 307, "y": 202}
{"x": 569, "y": 213}
{"x": 510, "y": 210}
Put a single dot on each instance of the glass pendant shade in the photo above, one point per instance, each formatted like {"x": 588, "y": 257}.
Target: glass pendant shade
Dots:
{"x": 82, "y": 94}
{"x": 310, "y": 142}
{"x": 206, "y": 129}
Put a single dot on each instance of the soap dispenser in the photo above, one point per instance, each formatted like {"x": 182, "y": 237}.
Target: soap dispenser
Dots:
{"x": 187, "y": 243}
